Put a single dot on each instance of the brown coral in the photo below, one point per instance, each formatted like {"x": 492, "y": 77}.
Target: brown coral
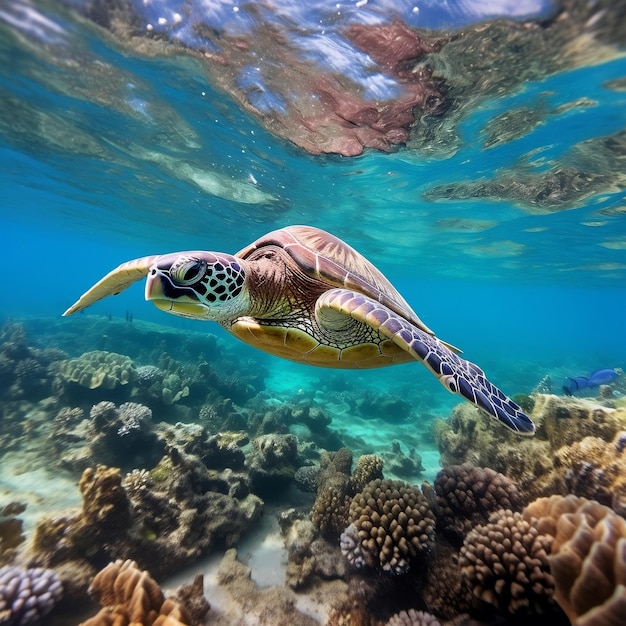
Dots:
{"x": 330, "y": 509}
{"x": 566, "y": 420}
{"x": 130, "y": 596}
{"x": 413, "y": 618}
{"x": 368, "y": 467}
{"x": 595, "y": 469}
{"x": 98, "y": 369}
{"x": 467, "y": 495}
{"x": 506, "y": 564}
{"x": 391, "y": 524}
{"x": 589, "y": 565}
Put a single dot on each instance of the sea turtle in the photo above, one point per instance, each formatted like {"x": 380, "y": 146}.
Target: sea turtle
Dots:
{"x": 303, "y": 294}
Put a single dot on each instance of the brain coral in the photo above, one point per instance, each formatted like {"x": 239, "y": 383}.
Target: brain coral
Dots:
{"x": 27, "y": 595}
{"x": 506, "y": 564}
{"x": 391, "y": 524}
{"x": 131, "y": 596}
{"x": 467, "y": 495}
{"x": 98, "y": 369}
{"x": 588, "y": 563}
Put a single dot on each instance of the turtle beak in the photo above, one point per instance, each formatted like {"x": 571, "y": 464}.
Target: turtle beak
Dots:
{"x": 166, "y": 297}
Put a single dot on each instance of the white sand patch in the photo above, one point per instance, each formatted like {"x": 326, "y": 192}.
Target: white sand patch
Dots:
{"x": 43, "y": 492}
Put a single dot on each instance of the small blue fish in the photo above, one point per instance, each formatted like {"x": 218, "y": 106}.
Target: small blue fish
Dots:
{"x": 601, "y": 377}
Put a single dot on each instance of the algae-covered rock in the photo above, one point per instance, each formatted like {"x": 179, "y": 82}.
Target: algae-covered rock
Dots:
{"x": 98, "y": 369}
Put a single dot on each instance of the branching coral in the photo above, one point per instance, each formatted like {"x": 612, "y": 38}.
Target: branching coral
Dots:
{"x": 27, "y": 595}
{"x": 130, "y": 596}
{"x": 467, "y": 495}
{"x": 506, "y": 564}
{"x": 391, "y": 523}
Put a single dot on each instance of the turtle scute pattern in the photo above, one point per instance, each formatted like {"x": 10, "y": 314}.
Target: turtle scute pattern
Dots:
{"x": 505, "y": 562}
{"x": 588, "y": 558}
{"x": 391, "y": 524}
{"x": 98, "y": 368}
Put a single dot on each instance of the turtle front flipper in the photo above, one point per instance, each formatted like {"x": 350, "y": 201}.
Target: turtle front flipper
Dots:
{"x": 114, "y": 282}
{"x": 456, "y": 374}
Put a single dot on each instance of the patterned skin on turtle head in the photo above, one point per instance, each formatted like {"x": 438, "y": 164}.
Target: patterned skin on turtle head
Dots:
{"x": 199, "y": 285}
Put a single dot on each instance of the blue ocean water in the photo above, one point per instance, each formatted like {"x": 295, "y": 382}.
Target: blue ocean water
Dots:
{"x": 113, "y": 148}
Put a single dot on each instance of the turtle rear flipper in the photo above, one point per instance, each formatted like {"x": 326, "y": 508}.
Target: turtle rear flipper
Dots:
{"x": 456, "y": 374}
{"x": 114, "y": 282}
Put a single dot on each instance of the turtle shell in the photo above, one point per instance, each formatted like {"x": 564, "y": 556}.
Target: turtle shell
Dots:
{"x": 325, "y": 257}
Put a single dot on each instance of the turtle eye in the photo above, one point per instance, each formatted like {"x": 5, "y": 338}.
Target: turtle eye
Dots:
{"x": 186, "y": 271}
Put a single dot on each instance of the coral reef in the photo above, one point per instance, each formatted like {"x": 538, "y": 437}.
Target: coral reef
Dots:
{"x": 98, "y": 369}
{"x": 122, "y": 436}
{"x": 594, "y": 468}
{"x": 336, "y": 487}
{"x": 164, "y": 519}
{"x": 587, "y": 559}
{"x": 536, "y": 465}
{"x": 27, "y": 595}
{"x": 506, "y": 564}
{"x": 413, "y": 618}
{"x": 129, "y": 596}
{"x": 391, "y": 524}
{"x": 467, "y": 495}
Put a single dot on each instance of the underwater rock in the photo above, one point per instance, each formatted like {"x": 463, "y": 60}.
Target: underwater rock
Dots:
{"x": 406, "y": 466}
{"x": 385, "y": 406}
{"x": 565, "y": 420}
{"x": 272, "y": 605}
{"x": 310, "y": 557}
{"x": 273, "y": 462}
{"x": 224, "y": 450}
{"x": 131, "y": 596}
{"x": 222, "y": 415}
{"x": 467, "y": 495}
{"x": 98, "y": 369}
{"x": 192, "y": 598}
{"x": 121, "y": 436}
{"x": 505, "y": 563}
{"x": 28, "y": 595}
{"x": 391, "y": 524}
{"x": 10, "y": 527}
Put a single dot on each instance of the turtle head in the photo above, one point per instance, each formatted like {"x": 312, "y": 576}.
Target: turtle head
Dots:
{"x": 198, "y": 285}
